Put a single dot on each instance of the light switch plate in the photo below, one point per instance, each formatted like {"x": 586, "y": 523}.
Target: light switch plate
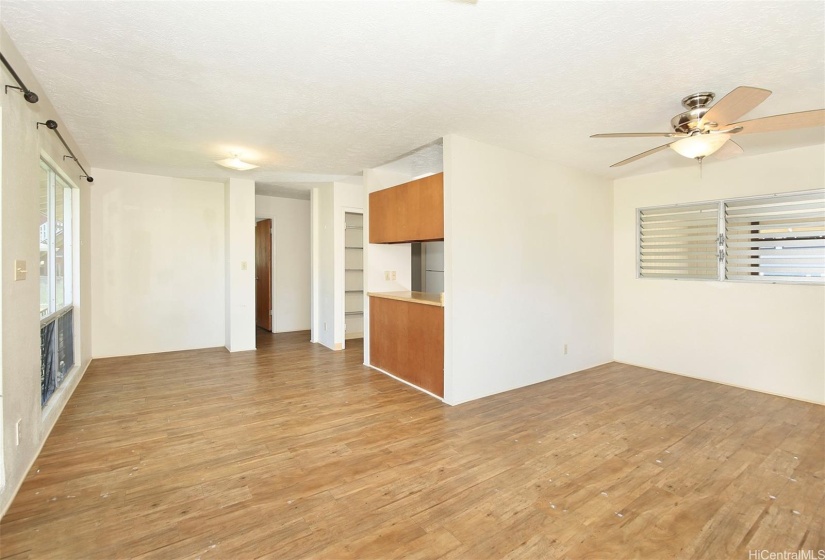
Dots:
{"x": 20, "y": 270}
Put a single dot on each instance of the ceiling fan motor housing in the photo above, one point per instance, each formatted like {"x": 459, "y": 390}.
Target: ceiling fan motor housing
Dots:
{"x": 696, "y": 100}
{"x": 696, "y": 105}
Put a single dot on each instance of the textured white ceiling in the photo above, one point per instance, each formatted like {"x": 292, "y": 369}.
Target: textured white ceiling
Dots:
{"x": 314, "y": 91}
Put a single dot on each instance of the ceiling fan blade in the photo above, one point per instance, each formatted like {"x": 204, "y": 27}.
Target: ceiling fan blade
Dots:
{"x": 728, "y": 150}
{"x": 640, "y": 156}
{"x": 788, "y": 121}
{"x": 735, "y": 104}
{"x": 641, "y": 135}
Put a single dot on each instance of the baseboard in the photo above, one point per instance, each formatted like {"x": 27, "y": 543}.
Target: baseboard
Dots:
{"x": 153, "y": 352}
{"x": 233, "y": 351}
{"x": 471, "y": 399}
{"x": 335, "y": 346}
{"x": 293, "y": 331}
{"x": 721, "y": 383}
{"x": 78, "y": 378}
{"x": 426, "y": 392}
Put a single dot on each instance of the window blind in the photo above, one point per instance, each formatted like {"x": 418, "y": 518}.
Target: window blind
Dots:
{"x": 679, "y": 241}
{"x": 781, "y": 238}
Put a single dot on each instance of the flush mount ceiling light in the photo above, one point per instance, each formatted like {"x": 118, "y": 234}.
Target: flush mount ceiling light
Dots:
{"x": 235, "y": 163}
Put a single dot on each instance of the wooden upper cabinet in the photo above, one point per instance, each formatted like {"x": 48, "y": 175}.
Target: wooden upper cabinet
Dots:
{"x": 413, "y": 211}
{"x": 383, "y": 216}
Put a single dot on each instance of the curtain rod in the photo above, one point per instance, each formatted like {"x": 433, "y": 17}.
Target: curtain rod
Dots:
{"x": 28, "y": 94}
{"x": 52, "y": 125}
{"x": 31, "y": 97}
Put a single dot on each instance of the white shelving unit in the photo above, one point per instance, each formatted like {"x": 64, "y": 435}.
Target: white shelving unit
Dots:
{"x": 353, "y": 276}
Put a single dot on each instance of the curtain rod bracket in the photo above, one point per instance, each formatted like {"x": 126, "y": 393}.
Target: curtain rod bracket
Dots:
{"x": 52, "y": 125}
{"x": 28, "y": 94}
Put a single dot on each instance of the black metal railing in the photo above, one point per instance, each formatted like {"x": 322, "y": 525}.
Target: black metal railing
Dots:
{"x": 56, "y": 351}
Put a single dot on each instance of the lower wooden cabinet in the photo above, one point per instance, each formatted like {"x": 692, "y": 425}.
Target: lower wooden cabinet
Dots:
{"x": 407, "y": 340}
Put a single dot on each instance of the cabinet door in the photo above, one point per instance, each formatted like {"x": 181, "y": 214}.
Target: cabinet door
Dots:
{"x": 426, "y": 203}
{"x": 381, "y": 220}
{"x": 407, "y": 340}
{"x": 413, "y": 211}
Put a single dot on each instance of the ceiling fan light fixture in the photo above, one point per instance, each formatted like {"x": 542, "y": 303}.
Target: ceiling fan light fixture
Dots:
{"x": 235, "y": 163}
{"x": 699, "y": 145}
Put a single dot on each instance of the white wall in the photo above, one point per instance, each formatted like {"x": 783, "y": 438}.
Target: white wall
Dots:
{"x": 324, "y": 275}
{"x": 22, "y": 146}
{"x": 528, "y": 253}
{"x": 239, "y": 215}
{"x": 157, "y": 264}
{"x": 764, "y": 337}
{"x": 331, "y": 202}
{"x": 315, "y": 264}
{"x": 290, "y": 260}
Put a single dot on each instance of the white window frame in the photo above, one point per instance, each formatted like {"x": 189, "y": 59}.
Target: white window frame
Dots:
{"x": 68, "y": 243}
{"x": 70, "y": 287}
{"x": 722, "y": 242}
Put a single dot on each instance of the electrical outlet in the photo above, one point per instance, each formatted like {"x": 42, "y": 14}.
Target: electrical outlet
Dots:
{"x": 565, "y": 349}
{"x": 392, "y": 274}
{"x": 325, "y": 325}
{"x": 17, "y": 431}
{"x": 243, "y": 265}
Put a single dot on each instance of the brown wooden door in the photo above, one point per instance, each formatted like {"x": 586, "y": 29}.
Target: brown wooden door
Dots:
{"x": 263, "y": 274}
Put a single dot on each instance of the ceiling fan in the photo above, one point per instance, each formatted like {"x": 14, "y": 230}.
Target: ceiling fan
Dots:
{"x": 704, "y": 130}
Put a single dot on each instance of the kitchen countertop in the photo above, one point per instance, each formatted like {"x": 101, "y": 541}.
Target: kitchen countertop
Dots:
{"x": 426, "y": 298}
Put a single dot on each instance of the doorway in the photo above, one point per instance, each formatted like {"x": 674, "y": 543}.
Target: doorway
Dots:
{"x": 353, "y": 275}
{"x": 263, "y": 274}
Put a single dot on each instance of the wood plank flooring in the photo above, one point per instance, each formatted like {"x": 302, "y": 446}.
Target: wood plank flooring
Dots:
{"x": 295, "y": 451}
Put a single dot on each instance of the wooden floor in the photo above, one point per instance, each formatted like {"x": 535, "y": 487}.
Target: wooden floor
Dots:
{"x": 295, "y": 451}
